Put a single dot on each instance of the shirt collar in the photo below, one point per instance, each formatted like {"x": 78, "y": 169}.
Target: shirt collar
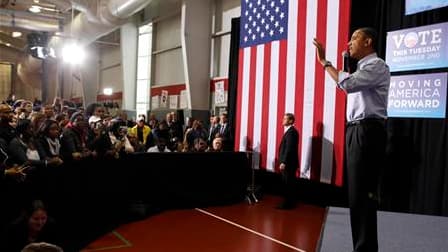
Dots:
{"x": 366, "y": 59}
{"x": 286, "y": 128}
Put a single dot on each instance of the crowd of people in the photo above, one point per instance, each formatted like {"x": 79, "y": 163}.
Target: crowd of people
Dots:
{"x": 36, "y": 136}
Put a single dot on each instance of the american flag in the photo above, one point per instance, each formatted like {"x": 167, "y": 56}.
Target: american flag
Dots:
{"x": 278, "y": 74}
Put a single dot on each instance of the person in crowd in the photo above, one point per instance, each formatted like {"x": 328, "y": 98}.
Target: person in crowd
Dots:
{"x": 101, "y": 144}
{"x": 48, "y": 111}
{"x": 225, "y": 131}
{"x": 367, "y": 92}
{"x": 289, "y": 160}
{"x": 74, "y": 139}
{"x": 42, "y": 247}
{"x": 36, "y": 121}
{"x": 153, "y": 122}
{"x": 161, "y": 145}
{"x": 47, "y": 143}
{"x": 7, "y": 170}
{"x": 200, "y": 145}
{"x": 214, "y": 129}
{"x": 216, "y": 145}
{"x": 34, "y": 225}
{"x": 7, "y": 132}
{"x": 188, "y": 125}
{"x": 141, "y": 131}
{"x": 174, "y": 126}
{"x": 22, "y": 148}
{"x": 62, "y": 120}
{"x": 98, "y": 113}
{"x": 197, "y": 131}
{"x": 118, "y": 136}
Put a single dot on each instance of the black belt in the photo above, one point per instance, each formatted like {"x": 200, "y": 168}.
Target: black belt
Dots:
{"x": 366, "y": 120}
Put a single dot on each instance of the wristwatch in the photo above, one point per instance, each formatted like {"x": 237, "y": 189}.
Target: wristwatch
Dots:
{"x": 327, "y": 64}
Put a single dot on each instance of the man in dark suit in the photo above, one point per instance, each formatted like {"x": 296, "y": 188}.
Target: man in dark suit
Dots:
{"x": 289, "y": 160}
{"x": 225, "y": 131}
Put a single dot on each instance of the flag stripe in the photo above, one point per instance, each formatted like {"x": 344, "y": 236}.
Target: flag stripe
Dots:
{"x": 239, "y": 99}
{"x": 278, "y": 74}
{"x": 291, "y": 58}
{"x": 319, "y": 75}
{"x": 251, "y": 98}
{"x": 245, "y": 100}
{"x": 300, "y": 71}
{"x": 265, "y": 105}
{"x": 258, "y": 106}
{"x": 339, "y": 135}
{"x": 330, "y": 92}
{"x": 308, "y": 105}
{"x": 273, "y": 102}
{"x": 281, "y": 93}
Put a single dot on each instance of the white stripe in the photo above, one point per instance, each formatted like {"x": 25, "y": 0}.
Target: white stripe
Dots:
{"x": 250, "y": 230}
{"x": 330, "y": 92}
{"x": 273, "y": 100}
{"x": 245, "y": 99}
{"x": 258, "y": 108}
{"x": 308, "y": 99}
{"x": 291, "y": 58}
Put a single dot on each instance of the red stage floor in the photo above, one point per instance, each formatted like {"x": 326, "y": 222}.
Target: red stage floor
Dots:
{"x": 242, "y": 227}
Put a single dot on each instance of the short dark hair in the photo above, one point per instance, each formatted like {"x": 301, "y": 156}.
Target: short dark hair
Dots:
{"x": 370, "y": 33}
{"x": 41, "y": 247}
{"x": 291, "y": 117}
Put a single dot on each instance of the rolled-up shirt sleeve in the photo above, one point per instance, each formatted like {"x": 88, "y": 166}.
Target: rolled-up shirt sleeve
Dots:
{"x": 368, "y": 76}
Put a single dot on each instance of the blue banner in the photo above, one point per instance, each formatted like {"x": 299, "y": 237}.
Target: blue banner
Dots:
{"x": 418, "y": 96}
{"x": 424, "y": 47}
{"x": 415, "y": 6}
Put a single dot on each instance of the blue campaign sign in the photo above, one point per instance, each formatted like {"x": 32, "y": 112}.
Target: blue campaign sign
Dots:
{"x": 417, "y": 96}
{"x": 415, "y": 6}
{"x": 424, "y": 47}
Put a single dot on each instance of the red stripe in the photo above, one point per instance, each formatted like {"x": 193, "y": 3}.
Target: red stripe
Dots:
{"x": 300, "y": 72}
{"x": 251, "y": 108}
{"x": 319, "y": 91}
{"x": 281, "y": 95}
{"x": 265, "y": 105}
{"x": 172, "y": 89}
{"x": 239, "y": 96}
{"x": 339, "y": 124}
{"x": 114, "y": 96}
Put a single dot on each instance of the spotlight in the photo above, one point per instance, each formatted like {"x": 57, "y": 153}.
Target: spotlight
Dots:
{"x": 73, "y": 54}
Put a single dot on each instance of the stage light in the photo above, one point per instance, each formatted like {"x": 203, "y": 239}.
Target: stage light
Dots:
{"x": 16, "y": 34}
{"x": 108, "y": 91}
{"x": 73, "y": 54}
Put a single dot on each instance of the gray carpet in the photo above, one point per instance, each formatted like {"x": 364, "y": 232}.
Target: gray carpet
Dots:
{"x": 396, "y": 232}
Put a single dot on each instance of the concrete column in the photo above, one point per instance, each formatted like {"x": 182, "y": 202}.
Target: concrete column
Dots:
{"x": 89, "y": 75}
{"x": 196, "y": 30}
{"x": 128, "y": 43}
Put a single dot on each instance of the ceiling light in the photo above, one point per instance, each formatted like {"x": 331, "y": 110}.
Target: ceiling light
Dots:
{"x": 36, "y": 1}
{"x": 16, "y": 34}
{"x": 8, "y": 44}
{"x": 34, "y": 9}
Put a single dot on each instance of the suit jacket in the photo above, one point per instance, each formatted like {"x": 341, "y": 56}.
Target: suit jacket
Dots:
{"x": 289, "y": 147}
{"x": 227, "y": 135}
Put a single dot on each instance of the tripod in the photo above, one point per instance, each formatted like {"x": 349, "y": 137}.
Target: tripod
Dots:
{"x": 251, "y": 198}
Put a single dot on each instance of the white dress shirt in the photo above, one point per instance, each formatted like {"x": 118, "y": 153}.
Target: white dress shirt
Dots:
{"x": 367, "y": 89}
